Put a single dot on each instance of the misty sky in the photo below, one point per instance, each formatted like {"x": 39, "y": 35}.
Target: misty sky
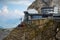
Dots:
{"x": 11, "y": 11}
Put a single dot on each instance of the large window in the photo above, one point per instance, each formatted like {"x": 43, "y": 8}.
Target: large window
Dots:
{"x": 44, "y": 11}
{"x": 36, "y": 17}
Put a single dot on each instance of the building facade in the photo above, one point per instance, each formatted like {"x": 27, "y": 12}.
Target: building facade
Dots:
{"x": 49, "y": 10}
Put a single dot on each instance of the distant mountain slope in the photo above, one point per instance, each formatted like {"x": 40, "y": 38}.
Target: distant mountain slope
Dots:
{"x": 3, "y": 33}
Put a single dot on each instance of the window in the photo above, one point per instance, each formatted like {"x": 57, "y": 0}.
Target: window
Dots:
{"x": 44, "y": 11}
{"x": 36, "y": 17}
{"x": 29, "y": 17}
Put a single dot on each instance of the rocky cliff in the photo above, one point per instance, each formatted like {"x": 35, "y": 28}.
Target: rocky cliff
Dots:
{"x": 49, "y": 30}
{"x": 38, "y": 4}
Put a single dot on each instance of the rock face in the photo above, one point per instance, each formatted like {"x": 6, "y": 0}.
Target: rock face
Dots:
{"x": 38, "y": 4}
{"x": 52, "y": 32}
{"x": 49, "y": 30}
{"x": 56, "y": 2}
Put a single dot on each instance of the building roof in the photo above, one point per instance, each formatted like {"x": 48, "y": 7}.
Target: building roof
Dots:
{"x": 39, "y": 14}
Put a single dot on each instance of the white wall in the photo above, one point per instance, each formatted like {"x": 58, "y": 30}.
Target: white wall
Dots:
{"x": 56, "y": 9}
{"x": 32, "y": 11}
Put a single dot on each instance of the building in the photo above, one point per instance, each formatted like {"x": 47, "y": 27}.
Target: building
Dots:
{"x": 35, "y": 18}
{"x": 29, "y": 16}
{"x": 32, "y": 16}
{"x": 49, "y": 10}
